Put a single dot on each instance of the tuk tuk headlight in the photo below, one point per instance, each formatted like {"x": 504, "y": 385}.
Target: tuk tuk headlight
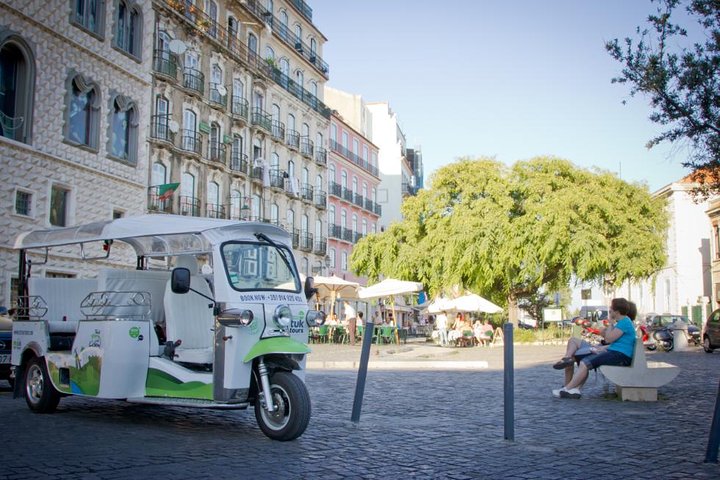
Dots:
{"x": 282, "y": 316}
{"x": 315, "y": 318}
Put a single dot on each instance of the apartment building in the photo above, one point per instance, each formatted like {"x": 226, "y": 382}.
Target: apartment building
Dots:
{"x": 74, "y": 110}
{"x": 238, "y": 128}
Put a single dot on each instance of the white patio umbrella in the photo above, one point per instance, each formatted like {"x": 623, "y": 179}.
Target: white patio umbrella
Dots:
{"x": 389, "y": 288}
{"x": 473, "y": 303}
{"x": 438, "y": 305}
{"x": 335, "y": 287}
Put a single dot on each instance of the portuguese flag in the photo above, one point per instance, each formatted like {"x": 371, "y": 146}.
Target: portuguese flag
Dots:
{"x": 166, "y": 190}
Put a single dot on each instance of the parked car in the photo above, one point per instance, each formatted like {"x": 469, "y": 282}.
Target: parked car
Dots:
{"x": 5, "y": 345}
{"x": 711, "y": 332}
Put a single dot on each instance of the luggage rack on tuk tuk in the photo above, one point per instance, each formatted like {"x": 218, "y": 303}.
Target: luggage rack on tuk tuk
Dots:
{"x": 116, "y": 305}
{"x": 32, "y": 307}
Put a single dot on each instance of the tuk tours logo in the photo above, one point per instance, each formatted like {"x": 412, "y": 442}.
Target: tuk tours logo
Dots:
{"x": 297, "y": 324}
{"x": 135, "y": 334}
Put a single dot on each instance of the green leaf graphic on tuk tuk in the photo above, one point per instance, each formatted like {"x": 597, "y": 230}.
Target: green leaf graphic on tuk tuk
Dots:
{"x": 162, "y": 384}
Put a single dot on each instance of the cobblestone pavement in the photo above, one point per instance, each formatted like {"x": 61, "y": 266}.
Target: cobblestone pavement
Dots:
{"x": 419, "y": 424}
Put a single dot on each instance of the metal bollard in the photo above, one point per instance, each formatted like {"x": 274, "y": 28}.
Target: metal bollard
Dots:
{"x": 509, "y": 382}
{"x": 362, "y": 372}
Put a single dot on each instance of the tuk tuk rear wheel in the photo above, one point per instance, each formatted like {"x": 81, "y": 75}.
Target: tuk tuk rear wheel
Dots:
{"x": 292, "y": 408}
{"x": 40, "y": 394}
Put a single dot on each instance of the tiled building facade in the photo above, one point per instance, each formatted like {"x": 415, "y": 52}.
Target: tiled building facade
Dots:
{"x": 74, "y": 111}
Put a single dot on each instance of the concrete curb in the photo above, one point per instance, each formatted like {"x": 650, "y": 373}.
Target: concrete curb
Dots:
{"x": 400, "y": 365}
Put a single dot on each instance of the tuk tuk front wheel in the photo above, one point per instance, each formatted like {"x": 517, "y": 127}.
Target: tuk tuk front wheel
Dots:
{"x": 40, "y": 395}
{"x": 292, "y": 408}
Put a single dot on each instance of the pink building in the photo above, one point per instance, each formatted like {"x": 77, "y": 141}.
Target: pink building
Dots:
{"x": 353, "y": 178}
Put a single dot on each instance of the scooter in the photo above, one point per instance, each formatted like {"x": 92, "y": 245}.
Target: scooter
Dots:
{"x": 647, "y": 340}
{"x": 665, "y": 339}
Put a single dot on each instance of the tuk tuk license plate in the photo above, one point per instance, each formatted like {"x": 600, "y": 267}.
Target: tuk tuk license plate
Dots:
{"x": 4, "y": 358}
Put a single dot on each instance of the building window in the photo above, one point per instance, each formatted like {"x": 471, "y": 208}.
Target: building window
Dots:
{"x": 17, "y": 83}
{"x": 123, "y": 129}
{"x": 90, "y": 15}
{"x": 23, "y": 203}
{"x": 83, "y": 112}
{"x": 128, "y": 29}
{"x": 331, "y": 254}
{"x": 118, "y": 214}
{"x": 59, "y": 204}
{"x": 344, "y": 262}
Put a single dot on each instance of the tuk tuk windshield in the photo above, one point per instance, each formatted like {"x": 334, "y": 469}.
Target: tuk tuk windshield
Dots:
{"x": 260, "y": 266}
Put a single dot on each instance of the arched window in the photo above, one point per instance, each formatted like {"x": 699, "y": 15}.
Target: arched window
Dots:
{"x": 331, "y": 173}
{"x": 364, "y": 227}
{"x": 17, "y": 84}
{"x": 354, "y": 223}
{"x": 332, "y": 255}
{"x": 255, "y": 208}
{"x": 211, "y": 9}
{"x": 124, "y": 129}
{"x": 213, "y": 196}
{"x": 215, "y": 148}
{"x": 159, "y": 174}
{"x": 299, "y": 77}
{"x": 274, "y": 161}
{"x": 344, "y": 262}
{"x": 343, "y": 218}
{"x": 235, "y": 205}
{"x": 284, "y": 18}
{"x": 354, "y": 184}
{"x": 285, "y": 66}
{"x": 83, "y": 112}
{"x": 313, "y": 49}
{"x": 331, "y": 214}
{"x": 298, "y": 36}
{"x": 314, "y": 88}
{"x": 128, "y": 29}
{"x": 269, "y": 54}
{"x": 188, "y": 200}
{"x": 274, "y": 214}
{"x": 343, "y": 179}
{"x": 252, "y": 46}
{"x": 290, "y": 217}
{"x": 190, "y": 141}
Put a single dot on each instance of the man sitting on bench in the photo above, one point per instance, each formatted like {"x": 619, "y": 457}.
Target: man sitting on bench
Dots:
{"x": 620, "y": 339}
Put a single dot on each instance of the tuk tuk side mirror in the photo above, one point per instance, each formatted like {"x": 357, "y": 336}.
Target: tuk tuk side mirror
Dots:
{"x": 180, "y": 280}
{"x": 310, "y": 289}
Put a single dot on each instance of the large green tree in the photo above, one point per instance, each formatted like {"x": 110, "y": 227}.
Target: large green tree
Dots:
{"x": 508, "y": 232}
{"x": 682, "y": 81}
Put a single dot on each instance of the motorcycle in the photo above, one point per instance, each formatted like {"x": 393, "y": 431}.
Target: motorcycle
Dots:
{"x": 665, "y": 339}
{"x": 647, "y": 340}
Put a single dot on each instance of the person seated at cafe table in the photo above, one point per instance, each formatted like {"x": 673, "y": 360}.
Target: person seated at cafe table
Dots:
{"x": 483, "y": 331}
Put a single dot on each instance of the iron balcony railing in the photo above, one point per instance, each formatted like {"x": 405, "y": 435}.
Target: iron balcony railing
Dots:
{"x": 239, "y": 108}
{"x": 238, "y": 161}
{"x": 216, "y": 97}
{"x": 306, "y": 192}
{"x": 293, "y": 139}
{"x": 347, "y": 234}
{"x": 320, "y": 156}
{"x": 278, "y": 131}
{"x": 277, "y": 178}
{"x": 378, "y": 209}
{"x": 256, "y": 173}
{"x": 156, "y": 203}
{"x": 165, "y": 64}
{"x": 335, "y": 231}
{"x": 194, "y": 80}
{"x": 357, "y": 236}
{"x": 320, "y": 247}
{"x": 215, "y": 210}
{"x": 191, "y": 141}
{"x": 306, "y": 241}
{"x": 216, "y": 152}
{"x": 353, "y": 157}
{"x": 262, "y": 119}
{"x": 320, "y": 199}
{"x": 335, "y": 189}
{"x": 189, "y": 206}
{"x": 306, "y": 147}
{"x": 160, "y": 128}
{"x": 303, "y": 8}
{"x": 347, "y": 194}
{"x": 295, "y": 237}
{"x": 358, "y": 199}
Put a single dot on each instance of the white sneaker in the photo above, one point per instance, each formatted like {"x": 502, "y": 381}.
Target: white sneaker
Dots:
{"x": 572, "y": 393}
{"x": 558, "y": 393}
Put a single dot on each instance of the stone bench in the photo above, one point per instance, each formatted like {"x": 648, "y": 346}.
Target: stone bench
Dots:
{"x": 639, "y": 382}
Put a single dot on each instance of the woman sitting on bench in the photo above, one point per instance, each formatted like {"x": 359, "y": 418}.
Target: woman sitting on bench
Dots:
{"x": 619, "y": 337}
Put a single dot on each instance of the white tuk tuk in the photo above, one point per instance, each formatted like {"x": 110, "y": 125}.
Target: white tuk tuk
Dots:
{"x": 209, "y": 313}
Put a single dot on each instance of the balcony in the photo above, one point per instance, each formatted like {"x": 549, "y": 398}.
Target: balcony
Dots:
{"x": 194, "y": 81}
{"x": 158, "y": 204}
{"x": 347, "y": 235}
{"x": 293, "y": 139}
{"x": 335, "y": 189}
{"x": 160, "y": 129}
{"x": 189, "y": 206}
{"x": 256, "y": 173}
{"x": 303, "y": 8}
{"x": 239, "y": 108}
{"x": 320, "y": 199}
{"x": 238, "y": 162}
{"x": 358, "y": 199}
{"x": 347, "y": 194}
{"x": 306, "y": 147}
{"x": 306, "y": 241}
{"x": 277, "y": 179}
{"x": 378, "y": 209}
{"x": 353, "y": 157}
{"x": 320, "y": 246}
{"x": 217, "y": 152}
{"x": 213, "y": 210}
{"x": 191, "y": 142}
{"x": 278, "y": 131}
{"x": 218, "y": 96}
{"x": 165, "y": 65}
{"x": 306, "y": 192}
{"x": 357, "y": 236}
{"x": 262, "y": 119}
{"x": 295, "y": 238}
{"x": 335, "y": 231}
{"x": 321, "y": 156}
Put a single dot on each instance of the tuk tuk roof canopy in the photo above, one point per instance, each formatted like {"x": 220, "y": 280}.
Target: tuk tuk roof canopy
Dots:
{"x": 154, "y": 235}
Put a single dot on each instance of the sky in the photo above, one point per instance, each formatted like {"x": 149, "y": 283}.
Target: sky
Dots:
{"x": 505, "y": 79}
